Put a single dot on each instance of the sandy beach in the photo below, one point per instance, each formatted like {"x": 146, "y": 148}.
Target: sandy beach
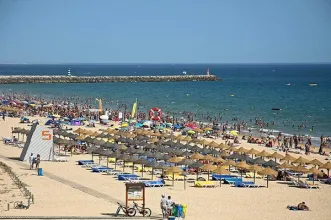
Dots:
{"x": 67, "y": 189}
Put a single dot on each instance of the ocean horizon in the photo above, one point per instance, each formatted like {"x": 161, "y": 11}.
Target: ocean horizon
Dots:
{"x": 247, "y": 91}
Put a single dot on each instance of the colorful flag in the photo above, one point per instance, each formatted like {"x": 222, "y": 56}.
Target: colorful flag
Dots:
{"x": 134, "y": 108}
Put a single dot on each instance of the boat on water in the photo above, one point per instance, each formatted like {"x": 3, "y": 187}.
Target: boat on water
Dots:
{"x": 276, "y": 109}
{"x": 313, "y": 84}
{"x": 288, "y": 84}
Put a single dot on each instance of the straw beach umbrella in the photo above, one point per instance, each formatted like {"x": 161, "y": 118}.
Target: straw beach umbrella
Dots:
{"x": 208, "y": 167}
{"x": 289, "y": 158}
{"x": 197, "y": 156}
{"x": 263, "y": 154}
{"x": 268, "y": 172}
{"x": 197, "y": 166}
{"x": 229, "y": 163}
{"x": 253, "y": 151}
{"x": 174, "y": 170}
{"x": 277, "y": 156}
{"x": 300, "y": 169}
{"x": 327, "y": 166}
{"x": 221, "y": 170}
{"x": 315, "y": 172}
{"x": 301, "y": 160}
{"x": 316, "y": 162}
{"x": 285, "y": 165}
{"x": 255, "y": 168}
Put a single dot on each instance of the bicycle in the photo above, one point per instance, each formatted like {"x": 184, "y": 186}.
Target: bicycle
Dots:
{"x": 143, "y": 211}
{"x": 123, "y": 208}
{"x": 20, "y": 205}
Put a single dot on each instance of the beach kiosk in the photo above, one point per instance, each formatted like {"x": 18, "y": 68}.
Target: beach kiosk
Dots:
{"x": 134, "y": 192}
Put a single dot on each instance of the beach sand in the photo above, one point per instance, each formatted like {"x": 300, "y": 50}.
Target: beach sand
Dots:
{"x": 67, "y": 189}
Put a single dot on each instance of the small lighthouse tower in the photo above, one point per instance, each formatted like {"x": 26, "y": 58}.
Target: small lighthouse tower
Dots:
{"x": 207, "y": 73}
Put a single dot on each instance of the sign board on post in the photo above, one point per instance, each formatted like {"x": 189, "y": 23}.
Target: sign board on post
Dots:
{"x": 134, "y": 192}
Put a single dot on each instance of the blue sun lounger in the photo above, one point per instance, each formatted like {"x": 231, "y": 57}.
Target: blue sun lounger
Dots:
{"x": 221, "y": 176}
{"x": 153, "y": 183}
{"x": 232, "y": 180}
{"x": 126, "y": 176}
{"x": 82, "y": 162}
{"x": 101, "y": 169}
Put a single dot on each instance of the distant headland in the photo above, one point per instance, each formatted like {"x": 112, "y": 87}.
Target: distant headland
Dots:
{"x": 28, "y": 79}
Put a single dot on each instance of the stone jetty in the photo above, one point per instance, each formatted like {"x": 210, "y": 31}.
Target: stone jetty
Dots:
{"x": 25, "y": 79}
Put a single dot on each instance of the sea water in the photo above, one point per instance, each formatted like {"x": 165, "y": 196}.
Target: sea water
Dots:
{"x": 246, "y": 91}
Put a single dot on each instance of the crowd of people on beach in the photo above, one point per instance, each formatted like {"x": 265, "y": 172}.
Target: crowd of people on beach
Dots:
{"x": 77, "y": 107}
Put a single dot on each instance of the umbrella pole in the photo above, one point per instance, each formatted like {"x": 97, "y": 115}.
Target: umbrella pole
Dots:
{"x": 197, "y": 173}
{"x": 267, "y": 181}
{"x": 208, "y": 175}
{"x": 313, "y": 178}
{"x": 107, "y": 161}
{"x": 92, "y": 155}
{"x": 132, "y": 168}
{"x": 115, "y": 163}
{"x": 123, "y": 166}
{"x": 152, "y": 172}
{"x": 184, "y": 183}
{"x": 142, "y": 170}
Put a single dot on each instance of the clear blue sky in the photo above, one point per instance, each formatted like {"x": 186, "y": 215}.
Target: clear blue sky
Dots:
{"x": 165, "y": 31}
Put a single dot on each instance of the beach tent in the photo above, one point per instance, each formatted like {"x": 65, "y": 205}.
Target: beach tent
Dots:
{"x": 39, "y": 141}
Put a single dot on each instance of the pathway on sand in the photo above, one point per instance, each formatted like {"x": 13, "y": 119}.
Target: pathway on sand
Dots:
{"x": 77, "y": 186}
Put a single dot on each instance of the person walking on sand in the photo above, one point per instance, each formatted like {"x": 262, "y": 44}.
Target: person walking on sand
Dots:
{"x": 37, "y": 161}
{"x": 31, "y": 161}
{"x": 163, "y": 205}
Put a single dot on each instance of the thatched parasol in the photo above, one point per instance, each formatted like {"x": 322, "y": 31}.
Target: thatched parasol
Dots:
{"x": 175, "y": 160}
{"x": 255, "y": 168}
{"x": 301, "y": 160}
{"x": 268, "y": 172}
{"x": 221, "y": 170}
{"x": 277, "y": 156}
{"x": 326, "y": 166}
{"x": 174, "y": 170}
{"x": 315, "y": 172}
{"x": 197, "y": 156}
{"x": 209, "y": 157}
{"x": 208, "y": 167}
{"x": 289, "y": 157}
{"x": 285, "y": 165}
{"x": 240, "y": 150}
{"x": 316, "y": 162}
{"x": 263, "y": 154}
{"x": 252, "y": 151}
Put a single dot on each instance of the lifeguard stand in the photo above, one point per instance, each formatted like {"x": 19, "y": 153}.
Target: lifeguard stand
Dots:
{"x": 134, "y": 192}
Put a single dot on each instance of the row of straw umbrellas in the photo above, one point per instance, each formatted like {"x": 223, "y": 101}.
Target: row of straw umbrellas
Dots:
{"x": 162, "y": 147}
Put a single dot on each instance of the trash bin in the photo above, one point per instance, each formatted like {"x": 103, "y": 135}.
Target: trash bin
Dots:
{"x": 40, "y": 171}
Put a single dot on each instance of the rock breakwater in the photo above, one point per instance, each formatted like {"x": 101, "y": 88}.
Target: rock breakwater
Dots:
{"x": 25, "y": 79}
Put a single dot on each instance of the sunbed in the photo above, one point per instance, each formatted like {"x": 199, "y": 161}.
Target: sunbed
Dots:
{"x": 222, "y": 176}
{"x": 232, "y": 180}
{"x": 100, "y": 169}
{"x": 153, "y": 183}
{"x": 126, "y": 176}
{"x": 61, "y": 159}
{"x": 307, "y": 186}
{"x": 205, "y": 184}
{"x": 251, "y": 175}
{"x": 82, "y": 162}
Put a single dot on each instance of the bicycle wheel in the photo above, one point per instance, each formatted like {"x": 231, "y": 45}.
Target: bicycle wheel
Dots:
{"x": 131, "y": 212}
{"x": 146, "y": 212}
{"x": 118, "y": 211}
{"x": 17, "y": 205}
